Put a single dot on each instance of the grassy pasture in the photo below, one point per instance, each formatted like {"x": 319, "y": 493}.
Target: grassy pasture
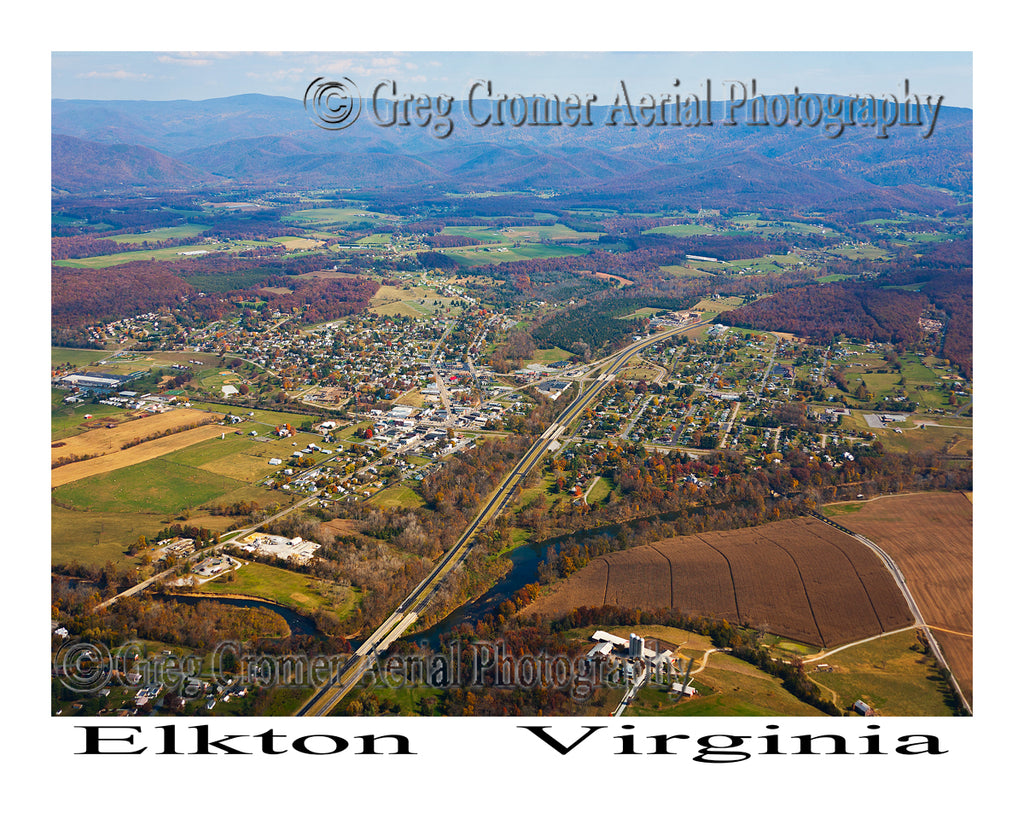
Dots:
{"x": 549, "y": 355}
{"x": 293, "y": 590}
{"x": 94, "y": 538}
{"x": 66, "y": 419}
{"x": 157, "y": 486}
{"x": 160, "y": 234}
{"x": 689, "y": 229}
{"x": 76, "y": 357}
{"x": 548, "y": 233}
{"x": 483, "y": 233}
{"x": 377, "y": 239}
{"x": 327, "y": 216}
{"x": 858, "y": 252}
{"x": 887, "y": 674}
{"x": 160, "y": 254}
{"x": 683, "y": 270}
{"x": 490, "y": 255}
{"x": 397, "y": 497}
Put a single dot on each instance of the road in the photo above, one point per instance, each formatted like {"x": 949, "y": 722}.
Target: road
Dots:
{"x": 438, "y": 378}
{"x": 324, "y": 700}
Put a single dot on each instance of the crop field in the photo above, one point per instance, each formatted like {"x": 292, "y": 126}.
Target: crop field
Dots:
{"x": 101, "y": 440}
{"x": 929, "y": 535}
{"x": 132, "y": 456}
{"x": 797, "y": 578}
{"x": 298, "y": 242}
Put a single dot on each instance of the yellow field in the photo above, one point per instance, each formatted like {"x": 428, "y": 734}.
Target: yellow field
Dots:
{"x": 135, "y": 455}
{"x": 717, "y": 305}
{"x": 102, "y": 441}
{"x": 395, "y": 308}
{"x": 298, "y": 243}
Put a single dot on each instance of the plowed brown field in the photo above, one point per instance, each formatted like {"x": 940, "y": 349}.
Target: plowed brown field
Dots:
{"x": 929, "y": 535}
{"x": 798, "y": 578}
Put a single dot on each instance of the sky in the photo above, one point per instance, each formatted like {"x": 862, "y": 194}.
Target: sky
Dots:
{"x": 195, "y": 75}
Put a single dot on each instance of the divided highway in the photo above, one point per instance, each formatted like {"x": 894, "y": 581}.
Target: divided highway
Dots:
{"x": 324, "y": 701}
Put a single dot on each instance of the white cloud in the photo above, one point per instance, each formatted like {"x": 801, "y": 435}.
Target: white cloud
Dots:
{"x": 176, "y": 59}
{"x": 118, "y": 74}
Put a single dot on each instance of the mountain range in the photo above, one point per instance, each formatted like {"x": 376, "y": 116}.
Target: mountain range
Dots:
{"x": 261, "y": 141}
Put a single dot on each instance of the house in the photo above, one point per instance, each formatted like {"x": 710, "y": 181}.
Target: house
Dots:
{"x": 863, "y": 709}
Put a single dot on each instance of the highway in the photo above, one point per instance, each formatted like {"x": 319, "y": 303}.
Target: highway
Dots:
{"x": 324, "y": 700}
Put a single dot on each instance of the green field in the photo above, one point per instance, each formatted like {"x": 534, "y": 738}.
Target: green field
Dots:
{"x": 301, "y": 592}
{"x": 547, "y": 233}
{"x": 602, "y": 489}
{"x": 491, "y": 255}
{"x": 549, "y": 355}
{"x": 483, "y": 233}
{"x": 76, "y": 357}
{"x": 683, "y": 270}
{"x": 158, "y": 486}
{"x": 377, "y": 239}
{"x": 160, "y": 234}
{"x": 96, "y": 538}
{"x": 684, "y": 230}
{"x": 160, "y": 254}
{"x": 888, "y": 675}
{"x": 727, "y": 687}
{"x": 268, "y": 417}
{"x": 858, "y": 252}
{"x": 65, "y": 419}
{"x": 399, "y": 496}
{"x": 325, "y": 216}
{"x": 241, "y": 457}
